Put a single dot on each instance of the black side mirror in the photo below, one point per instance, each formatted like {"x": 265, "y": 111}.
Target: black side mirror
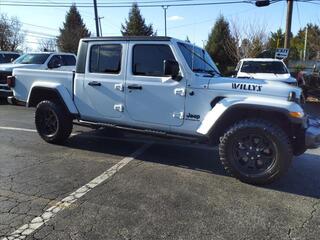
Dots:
{"x": 54, "y": 64}
{"x": 171, "y": 68}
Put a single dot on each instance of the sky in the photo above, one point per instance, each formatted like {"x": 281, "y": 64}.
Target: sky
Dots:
{"x": 196, "y": 22}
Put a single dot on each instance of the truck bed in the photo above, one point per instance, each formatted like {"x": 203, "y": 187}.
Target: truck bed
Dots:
{"x": 27, "y": 78}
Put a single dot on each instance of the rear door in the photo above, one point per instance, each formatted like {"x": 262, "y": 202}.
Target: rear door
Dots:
{"x": 102, "y": 95}
{"x": 152, "y": 97}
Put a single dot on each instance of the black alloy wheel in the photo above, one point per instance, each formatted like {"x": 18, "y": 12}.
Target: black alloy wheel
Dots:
{"x": 253, "y": 154}
{"x": 255, "y": 151}
{"x": 53, "y": 122}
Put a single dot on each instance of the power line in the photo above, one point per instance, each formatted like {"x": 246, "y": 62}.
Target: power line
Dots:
{"x": 39, "y": 33}
{"x": 157, "y": 3}
{"x": 39, "y": 36}
{"x": 209, "y": 20}
{"x": 38, "y": 26}
{"x": 141, "y": 5}
{"x": 107, "y": 3}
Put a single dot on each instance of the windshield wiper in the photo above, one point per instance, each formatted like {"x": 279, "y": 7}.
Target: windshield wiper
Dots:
{"x": 211, "y": 72}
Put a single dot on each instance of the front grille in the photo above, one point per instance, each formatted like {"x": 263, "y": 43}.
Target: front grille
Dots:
{"x": 6, "y": 88}
{"x": 3, "y": 77}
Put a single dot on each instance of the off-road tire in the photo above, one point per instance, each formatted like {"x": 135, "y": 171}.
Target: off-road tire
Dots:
{"x": 278, "y": 139}
{"x": 63, "y": 119}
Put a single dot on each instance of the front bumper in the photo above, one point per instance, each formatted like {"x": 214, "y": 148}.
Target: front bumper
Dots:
{"x": 313, "y": 134}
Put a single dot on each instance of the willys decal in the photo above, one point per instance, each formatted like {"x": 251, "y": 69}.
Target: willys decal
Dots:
{"x": 247, "y": 87}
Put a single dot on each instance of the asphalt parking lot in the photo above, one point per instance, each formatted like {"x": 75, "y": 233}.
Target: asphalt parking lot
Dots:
{"x": 109, "y": 185}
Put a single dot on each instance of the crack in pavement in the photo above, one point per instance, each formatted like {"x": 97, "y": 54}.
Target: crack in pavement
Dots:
{"x": 303, "y": 225}
{"x": 34, "y": 224}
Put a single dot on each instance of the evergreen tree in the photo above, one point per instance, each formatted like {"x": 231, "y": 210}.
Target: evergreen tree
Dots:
{"x": 216, "y": 45}
{"x": 276, "y": 40}
{"x": 313, "y": 42}
{"x": 188, "y": 40}
{"x": 135, "y": 25}
{"x": 73, "y": 30}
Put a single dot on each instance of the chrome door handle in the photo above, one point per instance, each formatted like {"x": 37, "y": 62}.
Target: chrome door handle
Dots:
{"x": 134, "y": 87}
{"x": 94, "y": 83}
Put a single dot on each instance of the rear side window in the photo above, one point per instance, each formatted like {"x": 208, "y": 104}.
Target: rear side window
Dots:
{"x": 148, "y": 59}
{"x": 68, "y": 60}
{"x": 105, "y": 58}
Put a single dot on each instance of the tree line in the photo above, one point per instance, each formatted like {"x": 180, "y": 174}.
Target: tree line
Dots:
{"x": 228, "y": 41}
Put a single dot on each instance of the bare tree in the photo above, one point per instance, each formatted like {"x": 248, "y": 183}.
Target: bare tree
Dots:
{"x": 11, "y": 36}
{"x": 49, "y": 44}
{"x": 251, "y": 39}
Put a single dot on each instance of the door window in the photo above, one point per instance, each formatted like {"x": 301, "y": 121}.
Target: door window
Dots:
{"x": 148, "y": 59}
{"x": 106, "y": 58}
{"x": 55, "y": 62}
{"x": 68, "y": 60}
{"x": 10, "y": 57}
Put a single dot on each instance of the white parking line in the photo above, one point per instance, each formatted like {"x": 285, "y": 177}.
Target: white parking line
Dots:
{"x": 29, "y": 228}
{"x": 18, "y": 129}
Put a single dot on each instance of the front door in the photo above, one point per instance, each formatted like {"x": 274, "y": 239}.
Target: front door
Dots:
{"x": 103, "y": 84}
{"x": 152, "y": 97}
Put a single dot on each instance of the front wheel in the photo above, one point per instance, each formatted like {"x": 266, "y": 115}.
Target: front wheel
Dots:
{"x": 255, "y": 151}
{"x": 53, "y": 122}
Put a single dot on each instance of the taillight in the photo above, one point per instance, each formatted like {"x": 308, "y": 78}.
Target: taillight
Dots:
{"x": 11, "y": 81}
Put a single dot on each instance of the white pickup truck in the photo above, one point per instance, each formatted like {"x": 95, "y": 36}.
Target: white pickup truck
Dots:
{"x": 39, "y": 60}
{"x": 167, "y": 87}
{"x": 265, "y": 69}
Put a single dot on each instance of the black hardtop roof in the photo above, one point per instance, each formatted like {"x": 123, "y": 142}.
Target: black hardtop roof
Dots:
{"x": 128, "y": 38}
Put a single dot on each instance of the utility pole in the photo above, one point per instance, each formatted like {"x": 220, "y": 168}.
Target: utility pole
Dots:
{"x": 100, "y": 26}
{"x": 165, "y": 19}
{"x": 288, "y": 24}
{"x": 305, "y": 45}
{"x": 96, "y": 18}
{"x": 204, "y": 42}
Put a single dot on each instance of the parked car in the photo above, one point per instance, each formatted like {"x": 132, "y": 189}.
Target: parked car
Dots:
{"x": 167, "y": 87}
{"x": 39, "y": 60}
{"x": 265, "y": 69}
{"x": 8, "y": 57}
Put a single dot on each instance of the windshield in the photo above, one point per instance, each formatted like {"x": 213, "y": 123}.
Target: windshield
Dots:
{"x": 264, "y": 67}
{"x": 34, "y": 58}
{"x": 198, "y": 59}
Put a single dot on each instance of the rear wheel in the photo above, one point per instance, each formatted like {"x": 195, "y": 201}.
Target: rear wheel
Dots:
{"x": 53, "y": 122}
{"x": 255, "y": 151}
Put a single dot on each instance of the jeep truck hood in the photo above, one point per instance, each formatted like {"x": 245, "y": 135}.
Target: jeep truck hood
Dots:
{"x": 243, "y": 86}
{"x": 268, "y": 76}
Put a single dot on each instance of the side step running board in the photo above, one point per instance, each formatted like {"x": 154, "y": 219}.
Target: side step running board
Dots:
{"x": 140, "y": 130}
